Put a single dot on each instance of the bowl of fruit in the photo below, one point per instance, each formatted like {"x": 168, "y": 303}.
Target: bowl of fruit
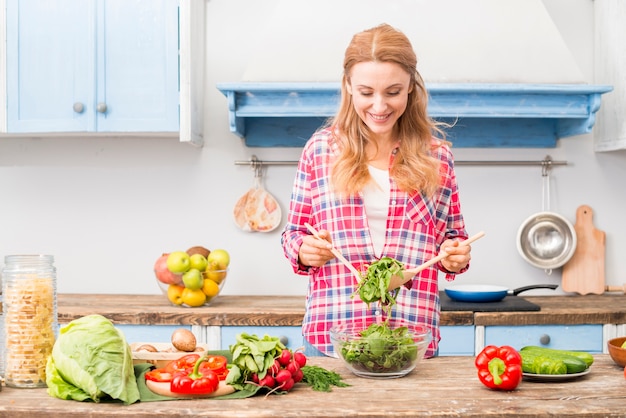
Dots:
{"x": 385, "y": 350}
{"x": 194, "y": 277}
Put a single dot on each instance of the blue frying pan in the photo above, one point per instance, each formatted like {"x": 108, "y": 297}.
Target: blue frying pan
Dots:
{"x": 487, "y": 292}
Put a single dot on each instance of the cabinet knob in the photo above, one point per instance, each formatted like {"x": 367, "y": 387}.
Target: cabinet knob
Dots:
{"x": 283, "y": 339}
{"x": 101, "y": 107}
{"x": 544, "y": 339}
{"x": 78, "y": 107}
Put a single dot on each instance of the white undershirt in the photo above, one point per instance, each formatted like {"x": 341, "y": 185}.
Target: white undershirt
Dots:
{"x": 376, "y": 201}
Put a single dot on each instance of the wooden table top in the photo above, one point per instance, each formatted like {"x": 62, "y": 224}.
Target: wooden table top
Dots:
{"x": 289, "y": 311}
{"x": 439, "y": 387}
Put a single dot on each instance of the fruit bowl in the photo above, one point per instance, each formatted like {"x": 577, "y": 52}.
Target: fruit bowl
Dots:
{"x": 382, "y": 351}
{"x": 178, "y": 294}
{"x": 617, "y": 353}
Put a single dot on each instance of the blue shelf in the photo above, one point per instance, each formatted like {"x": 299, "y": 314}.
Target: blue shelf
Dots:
{"x": 483, "y": 115}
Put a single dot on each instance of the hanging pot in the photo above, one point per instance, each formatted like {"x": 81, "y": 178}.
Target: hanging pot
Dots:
{"x": 546, "y": 239}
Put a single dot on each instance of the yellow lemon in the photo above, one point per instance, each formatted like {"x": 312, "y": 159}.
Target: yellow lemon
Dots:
{"x": 193, "y": 297}
{"x": 175, "y": 294}
{"x": 210, "y": 288}
{"x": 216, "y": 275}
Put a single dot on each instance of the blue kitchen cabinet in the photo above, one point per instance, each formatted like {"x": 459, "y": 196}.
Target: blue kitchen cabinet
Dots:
{"x": 563, "y": 337}
{"x": 92, "y": 66}
{"x": 290, "y": 336}
{"x": 456, "y": 340}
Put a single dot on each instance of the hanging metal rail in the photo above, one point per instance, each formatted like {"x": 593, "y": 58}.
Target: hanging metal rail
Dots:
{"x": 547, "y": 163}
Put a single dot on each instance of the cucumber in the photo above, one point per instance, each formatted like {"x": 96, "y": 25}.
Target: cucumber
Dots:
{"x": 536, "y": 363}
{"x": 547, "y": 365}
{"x": 573, "y": 364}
{"x": 583, "y": 355}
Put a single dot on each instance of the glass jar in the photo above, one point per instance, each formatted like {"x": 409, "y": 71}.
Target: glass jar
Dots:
{"x": 30, "y": 318}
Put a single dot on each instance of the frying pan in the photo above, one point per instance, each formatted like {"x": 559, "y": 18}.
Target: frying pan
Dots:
{"x": 488, "y": 292}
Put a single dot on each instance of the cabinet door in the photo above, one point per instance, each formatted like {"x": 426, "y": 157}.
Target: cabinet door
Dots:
{"x": 92, "y": 66}
{"x": 562, "y": 337}
{"x": 137, "y": 66}
{"x": 49, "y": 48}
{"x": 456, "y": 340}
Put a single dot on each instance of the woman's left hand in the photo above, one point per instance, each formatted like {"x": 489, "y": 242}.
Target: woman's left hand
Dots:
{"x": 458, "y": 255}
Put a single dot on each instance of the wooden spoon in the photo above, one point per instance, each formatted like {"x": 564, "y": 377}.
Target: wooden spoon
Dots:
{"x": 337, "y": 253}
{"x": 397, "y": 280}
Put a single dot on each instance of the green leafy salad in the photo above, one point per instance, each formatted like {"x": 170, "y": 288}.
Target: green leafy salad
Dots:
{"x": 379, "y": 348}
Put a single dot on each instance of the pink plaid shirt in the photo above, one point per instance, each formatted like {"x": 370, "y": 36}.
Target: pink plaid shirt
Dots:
{"x": 416, "y": 227}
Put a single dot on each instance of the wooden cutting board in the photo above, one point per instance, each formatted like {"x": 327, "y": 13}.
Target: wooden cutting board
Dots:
{"x": 584, "y": 272}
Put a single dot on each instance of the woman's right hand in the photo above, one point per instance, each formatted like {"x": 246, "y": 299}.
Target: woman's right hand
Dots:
{"x": 316, "y": 252}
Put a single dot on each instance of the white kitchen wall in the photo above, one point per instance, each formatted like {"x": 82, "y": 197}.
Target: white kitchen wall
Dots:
{"x": 106, "y": 209}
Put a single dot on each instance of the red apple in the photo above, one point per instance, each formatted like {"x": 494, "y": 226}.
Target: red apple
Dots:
{"x": 163, "y": 274}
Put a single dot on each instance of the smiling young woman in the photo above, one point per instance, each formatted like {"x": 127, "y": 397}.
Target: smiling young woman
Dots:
{"x": 376, "y": 181}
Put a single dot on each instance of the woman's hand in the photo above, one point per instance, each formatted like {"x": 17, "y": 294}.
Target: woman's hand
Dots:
{"x": 316, "y": 252}
{"x": 458, "y": 255}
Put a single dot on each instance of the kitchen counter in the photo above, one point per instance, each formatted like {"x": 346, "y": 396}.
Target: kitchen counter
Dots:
{"x": 289, "y": 311}
{"x": 439, "y": 387}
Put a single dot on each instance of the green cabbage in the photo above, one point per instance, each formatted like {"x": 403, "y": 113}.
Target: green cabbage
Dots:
{"x": 91, "y": 360}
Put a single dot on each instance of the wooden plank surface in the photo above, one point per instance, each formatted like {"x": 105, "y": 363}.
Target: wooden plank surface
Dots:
{"x": 289, "y": 311}
{"x": 226, "y": 310}
{"x": 584, "y": 272}
{"x": 439, "y": 387}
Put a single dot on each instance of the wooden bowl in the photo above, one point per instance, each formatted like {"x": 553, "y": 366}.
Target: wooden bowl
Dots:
{"x": 617, "y": 353}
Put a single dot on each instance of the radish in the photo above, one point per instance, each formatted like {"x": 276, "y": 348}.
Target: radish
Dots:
{"x": 300, "y": 358}
{"x": 254, "y": 377}
{"x": 285, "y": 357}
{"x": 288, "y": 385}
{"x": 293, "y": 367}
{"x": 274, "y": 368}
{"x": 267, "y": 381}
{"x": 282, "y": 376}
{"x": 298, "y": 376}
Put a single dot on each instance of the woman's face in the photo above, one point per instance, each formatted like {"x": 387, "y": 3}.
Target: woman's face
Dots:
{"x": 380, "y": 92}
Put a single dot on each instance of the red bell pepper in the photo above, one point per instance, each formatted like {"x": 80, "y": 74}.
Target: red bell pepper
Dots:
{"x": 198, "y": 382}
{"x": 159, "y": 375}
{"x": 499, "y": 368}
{"x": 218, "y": 364}
{"x": 182, "y": 364}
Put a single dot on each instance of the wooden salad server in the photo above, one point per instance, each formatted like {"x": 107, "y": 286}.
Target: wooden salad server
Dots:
{"x": 337, "y": 254}
{"x": 397, "y": 280}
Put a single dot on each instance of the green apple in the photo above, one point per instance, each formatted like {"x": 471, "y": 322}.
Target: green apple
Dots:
{"x": 198, "y": 262}
{"x": 178, "y": 262}
{"x": 218, "y": 260}
{"x": 192, "y": 279}
{"x": 624, "y": 344}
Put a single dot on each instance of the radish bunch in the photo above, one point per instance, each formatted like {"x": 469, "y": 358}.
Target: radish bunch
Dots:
{"x": 284, "y": 373}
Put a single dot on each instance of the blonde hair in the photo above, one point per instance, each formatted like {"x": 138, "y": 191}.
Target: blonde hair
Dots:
{"x": 414, "y": 169}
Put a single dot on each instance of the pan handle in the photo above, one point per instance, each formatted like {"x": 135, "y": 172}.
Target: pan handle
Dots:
{"x": 532, "y": 286}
